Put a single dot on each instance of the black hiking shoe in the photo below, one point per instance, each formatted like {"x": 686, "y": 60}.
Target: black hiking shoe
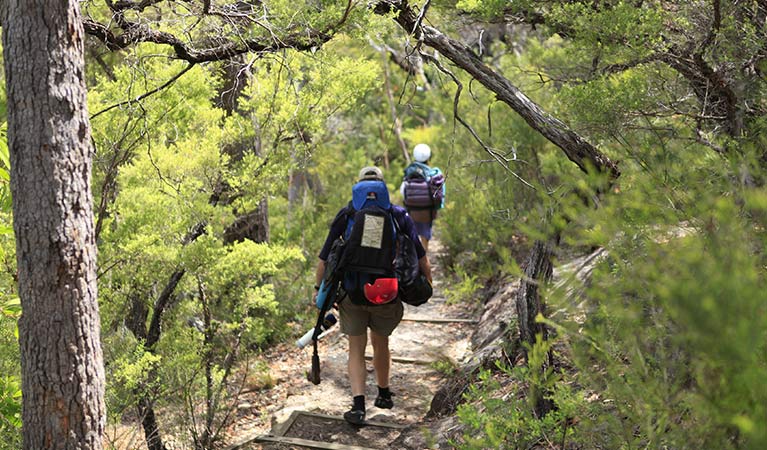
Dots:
{"x": 384, "y": 403}
{"x": 355, "y": 417}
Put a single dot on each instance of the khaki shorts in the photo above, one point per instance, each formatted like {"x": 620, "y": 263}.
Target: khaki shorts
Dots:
{"x": 382, "y": 319}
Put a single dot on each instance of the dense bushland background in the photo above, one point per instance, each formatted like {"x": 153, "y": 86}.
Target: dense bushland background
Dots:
{"x": 665, "y": 348}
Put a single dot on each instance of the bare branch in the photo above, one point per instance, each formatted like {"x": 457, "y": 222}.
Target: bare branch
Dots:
{"x": 133, "y": 33}
{"x": 396, "y": 122}
{"x": 123, "y": 5}
{"x": 146, "y": 94}
{"x": 495, "y": 154}
{"x": 420, "y": 17}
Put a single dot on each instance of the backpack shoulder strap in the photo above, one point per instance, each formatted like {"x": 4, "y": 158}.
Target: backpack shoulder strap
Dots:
{"x": 344, "y": 214}
{"x": 348, "y": 218}
{"x": 349, "y": 210}
{"x": 395, "y": 221}
{"x": 397, "y": 217}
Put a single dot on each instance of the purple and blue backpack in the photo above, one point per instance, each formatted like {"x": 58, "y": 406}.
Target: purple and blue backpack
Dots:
{"x": 424, "y": 187}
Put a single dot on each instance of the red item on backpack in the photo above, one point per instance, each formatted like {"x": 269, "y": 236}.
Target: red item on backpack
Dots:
{"x": 383, "y": 290}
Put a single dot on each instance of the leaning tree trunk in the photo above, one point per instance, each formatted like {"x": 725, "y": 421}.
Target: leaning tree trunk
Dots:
{"x": 136, "y": 323}
{"x": 150, "y": 336}
{"x": 49, "y": 140}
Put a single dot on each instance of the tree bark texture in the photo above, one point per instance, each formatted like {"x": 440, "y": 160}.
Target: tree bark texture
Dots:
{"x": 538, "y": 271}
{"x": 149, "y": 421}
{"x": 253, "y": 225}
{"x": 49, "y": 141}
{"x": 577, "y": 149}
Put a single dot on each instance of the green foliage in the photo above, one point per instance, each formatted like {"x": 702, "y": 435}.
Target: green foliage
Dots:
{"x": 619, "y": 25}
{"x": 482, "y": 8}
{"x": 243, "y": 281}
{"x": 5, "y": 181}
{"x": 445, "y": 365}
{"x": 672, "y": 346}
{"x": 239, "y": 280}
{"x": 128, "y": 368}
{"x": 10, "y": 310}
{"x": 3, "y": 97}
{"x": 131, "y": 371}
{"x": 611, "y": 102}
{"x": 10, "y": 412}
{"x": 681, "y": 335}
{"x": 10, "y": 382}
{"x": 498, "y": 414}
{"x": 288, "y": 112}
{"x": 174, "y": 162}
{"x": 464, "y": 288}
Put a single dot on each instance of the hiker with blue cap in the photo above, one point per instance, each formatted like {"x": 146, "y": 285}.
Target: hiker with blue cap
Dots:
{"x": 369, "y": 229}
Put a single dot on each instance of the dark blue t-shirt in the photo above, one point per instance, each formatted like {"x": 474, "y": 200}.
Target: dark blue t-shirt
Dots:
{"x": 406, "y": 225}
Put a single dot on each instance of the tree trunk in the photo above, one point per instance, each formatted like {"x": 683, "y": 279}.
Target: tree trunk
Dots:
{"x": 254, "y": 224}
{"x": 538, "y": 271}
{"x": 49, "y": 141}
{"x": 235, "y": 78}
{"x": 137, "y": 324}
{"x": 149, "y": 422}
{"x": 208, "y": 343}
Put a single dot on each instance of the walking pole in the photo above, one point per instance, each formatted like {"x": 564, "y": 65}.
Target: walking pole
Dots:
{"x": 330, "y": 297}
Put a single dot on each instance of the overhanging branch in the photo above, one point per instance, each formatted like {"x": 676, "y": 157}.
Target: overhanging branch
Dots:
{"x": 130, "y": 33}
{"x": 493, "y": 153}
{"x": 577, "y": 149}
{"x": 146, "y": 94}
{"x": 141, "y": 33}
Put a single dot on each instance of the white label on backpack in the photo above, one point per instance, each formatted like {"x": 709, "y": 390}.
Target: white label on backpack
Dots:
{"x": 372, "y": 231}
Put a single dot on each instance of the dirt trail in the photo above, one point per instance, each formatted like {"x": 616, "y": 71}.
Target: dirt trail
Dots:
{"x": 416, "y": 348}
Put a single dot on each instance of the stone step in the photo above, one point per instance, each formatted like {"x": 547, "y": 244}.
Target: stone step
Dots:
{"x": 438, "y": 320}
{"x": 297, "y": 414}
{"x": 299, "y": 442}
{"x": 403, "y": 360}
{"x": 279, "y": 434}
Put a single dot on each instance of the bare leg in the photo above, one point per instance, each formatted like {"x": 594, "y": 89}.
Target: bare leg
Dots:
{"x": 381, "y": 358}
{"x": 357, "y": 371}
